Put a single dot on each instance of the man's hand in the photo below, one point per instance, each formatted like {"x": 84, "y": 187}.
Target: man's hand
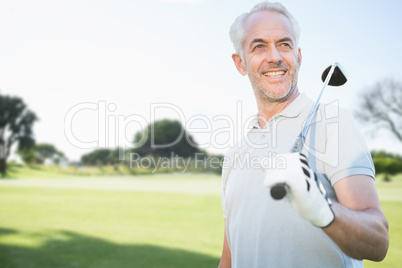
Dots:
{"x": 305, "y": 194}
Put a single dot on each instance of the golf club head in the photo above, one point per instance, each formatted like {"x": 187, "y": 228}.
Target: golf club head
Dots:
{"x": 338, "y": 76}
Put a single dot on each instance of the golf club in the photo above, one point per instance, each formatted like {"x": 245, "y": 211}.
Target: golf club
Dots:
{"x": 334, "y": 75}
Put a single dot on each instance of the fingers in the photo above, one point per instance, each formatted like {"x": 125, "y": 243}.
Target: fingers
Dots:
{"x": 303, "y": 189}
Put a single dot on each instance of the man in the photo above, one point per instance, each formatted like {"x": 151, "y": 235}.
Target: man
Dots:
{"x": 303, "y": 229}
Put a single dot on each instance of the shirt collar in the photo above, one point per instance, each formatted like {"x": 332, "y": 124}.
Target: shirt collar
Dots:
{"x": 291, "y": 111}
{"x": 296, "y": 106}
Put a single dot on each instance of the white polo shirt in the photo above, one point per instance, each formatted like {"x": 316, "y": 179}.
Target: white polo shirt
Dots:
{"x": 263, "y": 232}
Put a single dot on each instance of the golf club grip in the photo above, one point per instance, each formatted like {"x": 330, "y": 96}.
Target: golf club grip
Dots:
{"x": 279, "y": 190}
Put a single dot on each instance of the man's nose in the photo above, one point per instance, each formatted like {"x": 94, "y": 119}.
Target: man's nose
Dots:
{"x": 273, "y": 55}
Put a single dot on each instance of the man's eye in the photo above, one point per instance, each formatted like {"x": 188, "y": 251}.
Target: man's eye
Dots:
{"x": 258, "y": 46}
{"x": 285, "y": 45}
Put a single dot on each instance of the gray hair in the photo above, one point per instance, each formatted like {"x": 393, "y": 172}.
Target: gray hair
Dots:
{"x": 237, "y": 32}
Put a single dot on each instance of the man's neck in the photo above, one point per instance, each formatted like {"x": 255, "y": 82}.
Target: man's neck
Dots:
{"x": 267, "y": 109}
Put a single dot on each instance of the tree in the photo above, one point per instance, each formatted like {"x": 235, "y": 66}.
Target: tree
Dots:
{"x": 48, "y": 151}
{"x": 29, "y": 156}
{"x": 16, "y": 123}
{"x": 381, "y": 105}
{"x": 41, "y": 152}
{"x": 101, "y": 157}
{"x": 166, "y": 137}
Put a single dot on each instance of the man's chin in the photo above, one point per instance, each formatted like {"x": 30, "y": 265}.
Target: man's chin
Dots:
{"x": 278, "y": 97}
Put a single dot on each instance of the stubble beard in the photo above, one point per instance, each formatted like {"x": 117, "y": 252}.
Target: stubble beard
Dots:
{"x": 262, "y": 92}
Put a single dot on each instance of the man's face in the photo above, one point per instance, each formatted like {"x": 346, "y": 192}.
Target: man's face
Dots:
{"x": 270, "y": 58}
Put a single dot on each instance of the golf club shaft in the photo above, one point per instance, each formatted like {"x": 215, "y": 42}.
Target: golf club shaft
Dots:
{"x": 317, "y": 103}
{"x": 279, "y": 190}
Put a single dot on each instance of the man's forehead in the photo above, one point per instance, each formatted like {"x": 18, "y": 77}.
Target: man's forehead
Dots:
{"x": 267, "y": 21}
{"x": 266, "y": 15}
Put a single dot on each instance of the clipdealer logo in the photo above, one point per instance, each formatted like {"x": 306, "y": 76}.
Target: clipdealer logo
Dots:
{"x": 112, "y": 129}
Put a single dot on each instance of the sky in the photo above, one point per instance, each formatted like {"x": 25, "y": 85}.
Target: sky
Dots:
{"x": 96, "y": 72}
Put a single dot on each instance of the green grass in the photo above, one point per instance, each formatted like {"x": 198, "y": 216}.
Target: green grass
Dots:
{"x": 391, "y": 202}
{"x": 102, "y": 228}
{"x": 170, "y": 220}
{"x": 394, "y": 178}
{"x": 17, "y": 171}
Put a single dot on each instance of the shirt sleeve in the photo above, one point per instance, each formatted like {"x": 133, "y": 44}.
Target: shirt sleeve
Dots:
{"x": 354, "y": 157}
{"x": 338, "y": 146}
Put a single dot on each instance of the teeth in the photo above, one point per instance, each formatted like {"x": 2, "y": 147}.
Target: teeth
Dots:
{"x": 274, "y": 74}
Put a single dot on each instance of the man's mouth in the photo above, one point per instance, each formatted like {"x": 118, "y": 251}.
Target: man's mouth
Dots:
{"x": 275, "y": 74}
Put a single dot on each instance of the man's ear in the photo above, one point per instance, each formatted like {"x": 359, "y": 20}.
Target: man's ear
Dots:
{"x": 299, "y": 57}
{"x": 239, "y": 64}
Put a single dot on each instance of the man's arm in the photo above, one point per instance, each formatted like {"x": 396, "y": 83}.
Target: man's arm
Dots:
{"x": 226, "y": 259}
{"x": 360, "y": 229}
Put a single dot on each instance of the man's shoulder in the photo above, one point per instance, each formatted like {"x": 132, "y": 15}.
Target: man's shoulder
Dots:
{"x": 333, "y": 112}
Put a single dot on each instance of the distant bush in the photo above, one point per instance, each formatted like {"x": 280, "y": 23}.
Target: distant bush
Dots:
{"x": 387, "y": 163}
{"x": 100, "y": 157}
{"x": 383, "y": 154}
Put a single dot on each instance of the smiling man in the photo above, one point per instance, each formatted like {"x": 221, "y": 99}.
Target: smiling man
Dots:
{"x": 305, "y": 229}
